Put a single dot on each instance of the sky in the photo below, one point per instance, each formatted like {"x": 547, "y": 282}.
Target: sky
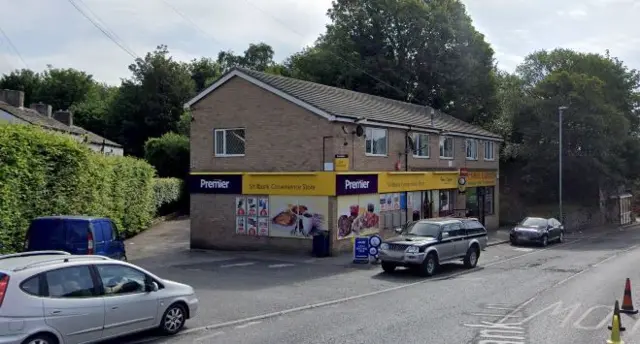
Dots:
{"x": 37, "y": 33}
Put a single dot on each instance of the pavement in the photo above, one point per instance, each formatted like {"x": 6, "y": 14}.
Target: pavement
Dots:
{"x": 560, "y": 294}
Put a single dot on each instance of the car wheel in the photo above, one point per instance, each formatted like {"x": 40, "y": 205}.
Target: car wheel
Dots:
{"x": 471, "y": 259}
{"x": 513, "y": 242}
{"x": 173, "y": 319}
{"x": 388, "y": 267}
{"x": 561, "y": 237}
{"x": 545, "y": 241}
{"x": 41, "y": 339}
{"x": 430, "y": 265}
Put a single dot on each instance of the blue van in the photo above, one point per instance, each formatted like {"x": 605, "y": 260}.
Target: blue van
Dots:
{"x": 76, "y": 235}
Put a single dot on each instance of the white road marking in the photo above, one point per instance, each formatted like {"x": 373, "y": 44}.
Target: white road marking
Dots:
{"x": 308, "y": 261}
{"x": 248, "y": 324}
{"x": 207, "y": 337}
{"x": 523, "y": 249}
{"x": 494, "y": 315}
{"x": 578, "y": 324}
{"x": 384, "y": 291}
{"x": 237, "y": 265}
{"x": 276, "y": 266}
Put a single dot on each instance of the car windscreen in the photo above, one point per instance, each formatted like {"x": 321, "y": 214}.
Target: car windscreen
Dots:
{"x": 423, "y": 229}
{"x": 534, "y": 222}
{"x": 46, "y": 234}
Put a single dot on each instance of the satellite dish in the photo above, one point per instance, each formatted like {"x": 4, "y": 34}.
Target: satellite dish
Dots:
{"x": 359, "y": 130}
{"x": 410, "y": 144}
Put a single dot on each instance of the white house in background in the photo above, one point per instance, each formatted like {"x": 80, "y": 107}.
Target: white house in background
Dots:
{"x": 12, "y": 110}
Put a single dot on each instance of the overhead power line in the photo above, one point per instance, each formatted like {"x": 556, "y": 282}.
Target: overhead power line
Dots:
{"x": 107, "y": 34}
{"x": 6, "y": 37}
{"x": 106, "y": 27}
{"x": 190, "y": 21}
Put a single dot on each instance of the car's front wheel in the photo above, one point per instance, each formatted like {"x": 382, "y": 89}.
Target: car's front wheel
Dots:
{"x": 430, "y": 265}
{"x": 545, "y": 241}
{"x": 561, "y": 237}
{"x": 388, "y": 267}
{"x": 471, "y": 258}
{"x": 173, "y": 319}
{"x": 41, "y": 339}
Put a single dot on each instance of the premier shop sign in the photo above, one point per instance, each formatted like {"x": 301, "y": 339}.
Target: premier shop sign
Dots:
{"x": 356, "y": 184}
{"x": 215, "y": 184}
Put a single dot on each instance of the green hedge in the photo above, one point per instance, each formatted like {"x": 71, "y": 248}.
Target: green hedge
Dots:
{"x": 167, "y": 194}
{"x": 44, "y": 173}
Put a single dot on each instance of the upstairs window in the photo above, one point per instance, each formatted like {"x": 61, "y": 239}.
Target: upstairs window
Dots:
{"x": 376, "y": 142}
{"x": 446, "y": 147}
{"x": 472, "y": 149}
{"x": 489, "y": 150}
{"x": 229, "y": 142}
{"x": 421, "y": 144}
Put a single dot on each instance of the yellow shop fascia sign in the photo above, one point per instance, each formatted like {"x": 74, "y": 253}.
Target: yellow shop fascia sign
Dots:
{"x": 289, "y": 183}
{"x": 444, "y": 180}
{"x": 389, "y": 182}
{"x": 481, "y": 178}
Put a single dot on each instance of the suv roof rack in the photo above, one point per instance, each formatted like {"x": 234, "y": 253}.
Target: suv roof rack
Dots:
{"x": 35, "y": 253}
{"x": 64, "y": 260}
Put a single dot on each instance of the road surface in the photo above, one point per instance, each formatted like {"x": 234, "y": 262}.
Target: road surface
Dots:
{"x": 561, "y": 294}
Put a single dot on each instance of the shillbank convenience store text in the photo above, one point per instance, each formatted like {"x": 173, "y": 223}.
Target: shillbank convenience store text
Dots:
{"x": 289, "y": 187}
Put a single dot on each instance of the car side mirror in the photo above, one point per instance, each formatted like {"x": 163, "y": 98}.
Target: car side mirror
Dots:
{"x": 444, "y": 235}
{"x": 151, "y": 287}
{"x": 398, "y": 230}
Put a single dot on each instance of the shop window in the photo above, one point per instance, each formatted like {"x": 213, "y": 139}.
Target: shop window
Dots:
{"x": 421, "y": 143}
{"x": 489, "y": 196}
{"x": 446, "y": 147}
{"x": 447, "y": 202}
{"x": 471, "y": 146}
{"x": 376, "y": 141}
{"x": 229, "y": 142}
{"x": 489, "y": 150}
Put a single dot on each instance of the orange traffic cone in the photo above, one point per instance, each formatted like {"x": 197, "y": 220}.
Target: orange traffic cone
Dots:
{"x": 627, "y": 303}
{"x": 616, "y": 311}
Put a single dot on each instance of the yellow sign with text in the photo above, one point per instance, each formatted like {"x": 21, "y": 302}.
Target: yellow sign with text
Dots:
{"x": 389, "y": 182}
{"x": 341, "y": 164}
{"x": 444, "y": 180}
{"x": 290, "y": 183}
{"x": 481, "y": 178}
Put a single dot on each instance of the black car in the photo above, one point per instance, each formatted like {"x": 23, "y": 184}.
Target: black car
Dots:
{"x": 537, "y": 230}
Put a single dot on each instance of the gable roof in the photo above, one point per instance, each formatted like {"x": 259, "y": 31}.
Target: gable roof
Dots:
{"x": 337, "y": 104}
{"x": 34, "y": 117}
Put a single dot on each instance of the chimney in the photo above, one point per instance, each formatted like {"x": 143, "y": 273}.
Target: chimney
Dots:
{"x": 432, "y": 113}
{"x": 43, "y": 109}
{"x": 13, "y": 98}
{"x": 64, "y": 117}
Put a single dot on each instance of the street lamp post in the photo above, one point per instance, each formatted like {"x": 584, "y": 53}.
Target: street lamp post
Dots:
{"x": 560, "y": 112}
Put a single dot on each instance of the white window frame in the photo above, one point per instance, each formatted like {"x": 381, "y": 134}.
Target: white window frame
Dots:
{"x": 224, "y": 143}
{"x": 469, "y": 145}
{"x": 443, "y": 139}
{"x": 418, "y": 143}
{"x": 489, "y": 146}
{"x": 370, "y": 134}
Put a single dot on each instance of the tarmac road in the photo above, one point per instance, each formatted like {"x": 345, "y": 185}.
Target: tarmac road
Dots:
{"x": 562, "y": 294}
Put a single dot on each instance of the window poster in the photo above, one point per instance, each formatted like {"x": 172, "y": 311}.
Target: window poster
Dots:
{"x": 252, "y": 225}
{"x": 252, "y": 206}
{"x": 263, "y": 206}
{"x": 241, "y": 225}
{"x": 263, "y": 226}
{"x": 241, "y": 206}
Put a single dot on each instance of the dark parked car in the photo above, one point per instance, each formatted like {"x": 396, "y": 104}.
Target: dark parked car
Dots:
{"x": 76, "y": 235}
{"x": 537, "y": 230}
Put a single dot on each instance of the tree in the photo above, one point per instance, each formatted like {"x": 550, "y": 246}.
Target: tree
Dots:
{"x": 169, "y": 154}
{"x": 24, "y": 80}
{"x": 427, "y": 53}
{"x": 92, "y": 113}
{"x": 258, "y": 57}
{"x": 150, "y": 103}
{"x": 62, "y": 88}
{"x": 204, "y": 72}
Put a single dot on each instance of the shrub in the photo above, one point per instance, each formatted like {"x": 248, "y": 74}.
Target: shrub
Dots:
{"x": 169, "y": 154}
{"x": 167, "y": 194}
{"x": 45, "y": 173}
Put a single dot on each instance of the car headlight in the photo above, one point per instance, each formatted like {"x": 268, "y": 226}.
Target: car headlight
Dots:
{"x": 413, "y": 249}
{"x": 384, "y": 246}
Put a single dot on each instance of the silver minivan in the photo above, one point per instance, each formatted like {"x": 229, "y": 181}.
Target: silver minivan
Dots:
{"x": 52, "y": 297}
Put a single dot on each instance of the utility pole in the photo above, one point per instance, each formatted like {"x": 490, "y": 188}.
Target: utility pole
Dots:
{"x": 560, "y": 112}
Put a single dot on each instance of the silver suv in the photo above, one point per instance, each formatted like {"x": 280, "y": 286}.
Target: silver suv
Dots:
{"x": 52, "y": 297}
{"x": 425, "y": 244}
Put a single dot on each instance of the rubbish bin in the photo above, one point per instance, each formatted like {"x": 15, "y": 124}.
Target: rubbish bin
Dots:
{"x": 321, "y": 245}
